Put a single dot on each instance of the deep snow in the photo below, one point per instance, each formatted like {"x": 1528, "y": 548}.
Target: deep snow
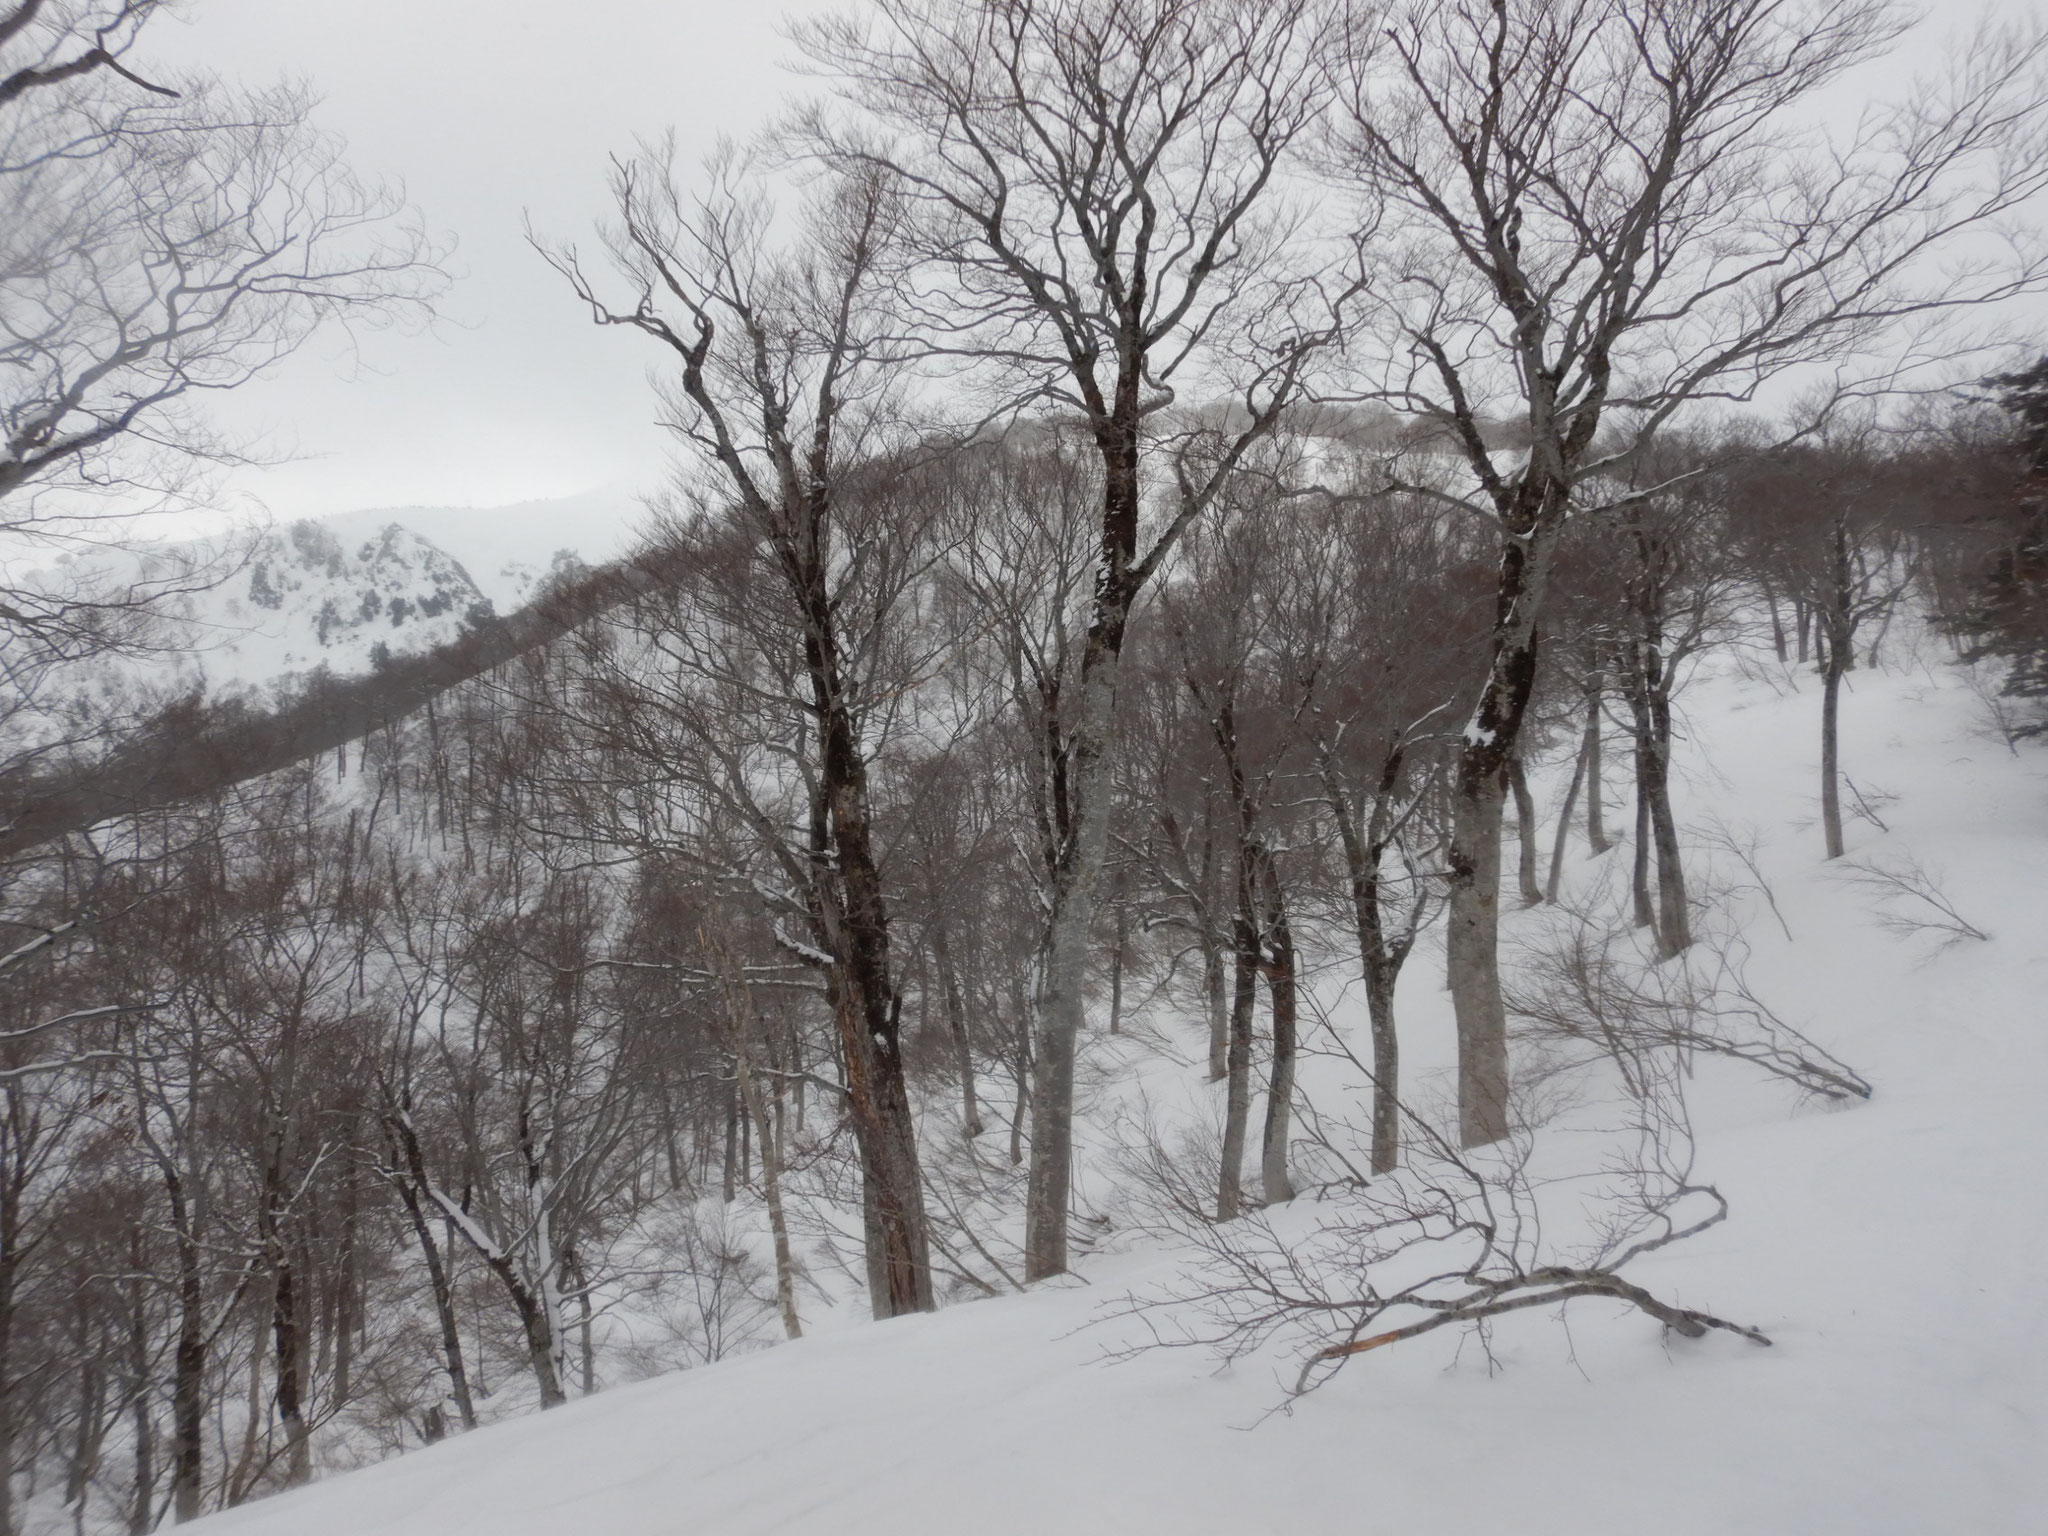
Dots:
{"x": 1895, "y": 1251}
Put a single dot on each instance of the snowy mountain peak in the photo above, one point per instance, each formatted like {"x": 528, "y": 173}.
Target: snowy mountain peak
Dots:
{"x": 305, "y": 597}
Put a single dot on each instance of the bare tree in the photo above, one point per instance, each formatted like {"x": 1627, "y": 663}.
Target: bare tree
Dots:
{"x": 1095, "y": 183}
{"x": 49, "y": 43}
{"x": 1829, "y": 520}
{"x": 784, "y": 389}
{"x": 1380, "y": 635}
{"x": 1605, "y": 214}
{"x": 183, "y": 251}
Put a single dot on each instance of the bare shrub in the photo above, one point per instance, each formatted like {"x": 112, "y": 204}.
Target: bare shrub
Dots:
{"x": 1908, "y": 901}
{"x": 1453, "y": 1237}
{"x": 714, "y": 1298}
{"x": 1586, "y": 985}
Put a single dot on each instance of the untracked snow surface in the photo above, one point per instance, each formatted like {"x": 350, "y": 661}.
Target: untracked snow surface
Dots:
{"x": 1896, "y": 1251}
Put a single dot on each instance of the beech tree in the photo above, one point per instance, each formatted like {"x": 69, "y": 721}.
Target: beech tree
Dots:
{"x": 1604, "y": 214}
{"x": 1096, "y": 186}
{"x": 784, "y": 386}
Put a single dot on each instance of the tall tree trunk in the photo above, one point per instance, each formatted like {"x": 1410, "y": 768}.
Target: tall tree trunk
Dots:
{"x": 868, "y": 1010}
{"x": 1216, "y": 997}
{"x": 1379, "y": 960}
{"x": 1645, "y": 912}
{"x": 1831, "y": 672}
{"x": 1478, "y": 795}
{"x": 289, "y": 1353}
{"x": 1674, "y": 918}
{"x": 1215, "y": 948}
{"x": 1525, "y": 835}
{"x": 1237, "y": 1094}
{"x": 1064, "y": 974}
{"x": 729, "y": 1185}
{"x": 7, "y": 1428}
{"x": 1077, "y": 875}
{"x": 740, "y": 1008}
{"x": 1473, "y": 964}
{"x": 142, "y": 1508}
{"x": 188, "y": 1367}
{"x": 1116, "y": 964}
{"x": 1596, "y": 826}
{"x": 1020, "y": 1012}
{"x": 1836, "y": 641}
{"x": 1777, "y": 618}
{"x": 1280, "y": 987}
{"x": 1564, "y": 823}
{"x": 956, "y": 1026}
{"x": 412, "y": 1187}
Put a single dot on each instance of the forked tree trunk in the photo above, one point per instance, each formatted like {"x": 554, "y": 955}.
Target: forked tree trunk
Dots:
{"x": 1380, "y": 958}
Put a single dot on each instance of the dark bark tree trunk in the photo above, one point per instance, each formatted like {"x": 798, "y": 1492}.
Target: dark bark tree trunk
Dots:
{"x": 412, "y": 1187}
{"x": 1645, "y": 912}
{"x": 1122, "y": 942}
{"x": 1674, "y": 919}
{"x": 1237, "y": 1096}
{"x": 957, "y": 1027}
{"x": 1380, "y": 954}
{"x": 729, "y": 1183}
{"x": 7, "y": 1427}
{"x": 1564, "y": 823}
{"x": 867, "y": 1007}
{"x": 1596, "y": 822}
{"x": 1215, "y": 947}
{"x": 289, "y": 1362}
{"x": 1280, "y": 988}
{"x": 188, "y": 1367}
{"x": 1835, "y": 640}
{"x": 1831, "y": 673}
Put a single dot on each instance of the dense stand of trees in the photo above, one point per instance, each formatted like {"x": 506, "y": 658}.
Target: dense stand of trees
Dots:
{"x": 1105, "y": 583}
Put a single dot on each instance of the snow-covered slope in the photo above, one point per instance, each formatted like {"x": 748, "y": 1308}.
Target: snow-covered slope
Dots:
{"x": 1896, "y": 1253}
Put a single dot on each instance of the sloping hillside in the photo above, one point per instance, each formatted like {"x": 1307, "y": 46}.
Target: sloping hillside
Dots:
{"x": 1893, "y": 1251}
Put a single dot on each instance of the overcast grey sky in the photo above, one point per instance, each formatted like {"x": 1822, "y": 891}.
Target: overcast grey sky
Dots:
{"x": 485, "y": 108}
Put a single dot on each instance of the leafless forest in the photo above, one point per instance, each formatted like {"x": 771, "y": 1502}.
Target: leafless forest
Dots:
{"x": 1174, "y": 496}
